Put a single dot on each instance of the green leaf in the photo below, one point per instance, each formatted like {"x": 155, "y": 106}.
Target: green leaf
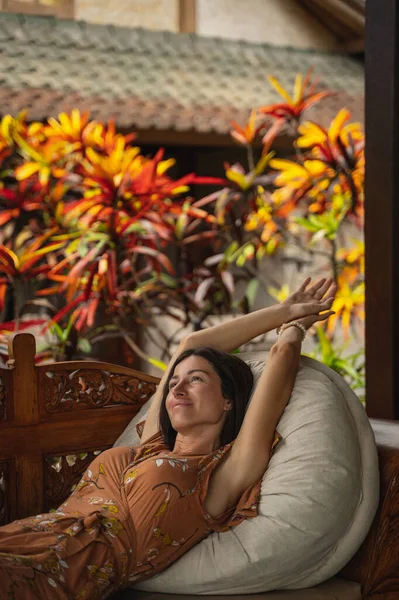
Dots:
{"x": 230, "y": 250}
{"x": 241, "y": 260}
{"x": 82, "y": 249}
{"x": 135, "y": 228}
{"x": 68, "y": 328}
{"x": 168, "y": 280}
{"x": 84, "y": 345}
{"x": 262, "y": 163}
{"x": 55, "y": 328}
{"x": 251, "y": 291}
{"x": 181, "y": 224}
{"x": 305, "y": 223}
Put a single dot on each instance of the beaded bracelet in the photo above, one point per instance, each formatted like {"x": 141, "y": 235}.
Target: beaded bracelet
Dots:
{"x": 291, "y": 324}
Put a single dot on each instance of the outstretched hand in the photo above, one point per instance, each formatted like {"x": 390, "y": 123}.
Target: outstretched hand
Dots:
{"x": 306, "y": 303}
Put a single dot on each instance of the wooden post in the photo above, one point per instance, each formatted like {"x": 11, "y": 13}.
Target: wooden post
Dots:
{"x": 382, "y": 209}
{"x": 187, "y": 16}
{"x": 29, "y": 467}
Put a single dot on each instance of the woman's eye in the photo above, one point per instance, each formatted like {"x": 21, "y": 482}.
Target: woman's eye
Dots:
{"x": 196, "y": 377}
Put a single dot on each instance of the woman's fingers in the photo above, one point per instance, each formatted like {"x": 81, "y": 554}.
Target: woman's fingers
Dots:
{"x": 327, "y": 302}
{"x": 324, "y": 288}
{"x": 304, "y": 284}
{"x": 316, "y": 286}
{"x": 332, "y": 291}
{"x": 325, "y": 316}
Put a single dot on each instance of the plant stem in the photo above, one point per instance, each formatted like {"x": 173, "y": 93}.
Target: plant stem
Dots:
{"x": 250, "y": 155}
{"x": 333, "y": 257}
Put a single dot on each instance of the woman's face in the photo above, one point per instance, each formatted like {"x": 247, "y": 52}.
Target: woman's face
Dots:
{"x": 195, "y": 395}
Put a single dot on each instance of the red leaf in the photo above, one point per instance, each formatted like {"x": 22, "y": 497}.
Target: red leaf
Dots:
{"x": 91, "y": 311}
{"x": 209, "y": 180}
{"x": 61, "y": 313}
{"x": 161, "y": 258}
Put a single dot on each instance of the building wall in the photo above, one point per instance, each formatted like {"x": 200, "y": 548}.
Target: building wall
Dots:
{"x": 277, "y": 22}
{"x": 150, "y": 14}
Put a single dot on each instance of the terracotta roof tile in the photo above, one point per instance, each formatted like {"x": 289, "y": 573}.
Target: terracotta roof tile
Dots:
{"x": 152, "y": 79}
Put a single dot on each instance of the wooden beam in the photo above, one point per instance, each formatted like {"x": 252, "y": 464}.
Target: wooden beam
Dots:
{"x": 382, "y": 214}
{"x": 170, "y": 137}
{"x": 187, "y": 16}
{"x": 341, "y": 11}
{"x": 330, "y": 22}
{"x": 353, "y": 46}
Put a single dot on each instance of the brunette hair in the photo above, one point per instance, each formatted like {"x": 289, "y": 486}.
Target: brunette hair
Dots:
{"x": 236, "y": 382}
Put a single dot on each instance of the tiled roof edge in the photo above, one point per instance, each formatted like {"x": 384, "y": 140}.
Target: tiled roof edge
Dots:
{"x": 64, "y": 25}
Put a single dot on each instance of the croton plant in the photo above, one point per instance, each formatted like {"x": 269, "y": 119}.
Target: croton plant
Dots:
{"x": 95, "y": 235}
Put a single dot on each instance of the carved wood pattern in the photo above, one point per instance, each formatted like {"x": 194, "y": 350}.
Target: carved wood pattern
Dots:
{"x": 5, "y": 477}
{"x": 66, "y": 391}
{"x": 385, "y": 568}
{"x": 3, "y": 403}
{"x": 61, "y": 473}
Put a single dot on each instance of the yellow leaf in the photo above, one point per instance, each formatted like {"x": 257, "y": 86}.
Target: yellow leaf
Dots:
{"x": 49, "y": 248}
{"x": 297, "y": 89}
{"x": 311, "y": 134}
{"x": 44, "y": 175}
{"x": 315, "y": 167}
{"x": 101, "y": 469}
{"x": 26, "y": 170}
{"x": 75, "y": 120}
{"x": 281, "y": 164}
{"x": 279, "y": 88}
{"x": 163, "y": 166}
{"x": 93, "y": 156}
{"x": 337, "y": 124}
{"x": 13, "y": 256}
{"x": 279, "y": 294}
{"x": 262, "y": 163}
{"x": 180, "y": 189}
{"x": 346, "y": 320}
{"x": 66, "y": 123}
{"x": 5, "y": 127}
{"x": 22, "y": 237}
{"x": 238, "y": 178}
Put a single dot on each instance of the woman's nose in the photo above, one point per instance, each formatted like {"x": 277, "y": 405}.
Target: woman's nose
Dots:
{"x": 179, "y": 387}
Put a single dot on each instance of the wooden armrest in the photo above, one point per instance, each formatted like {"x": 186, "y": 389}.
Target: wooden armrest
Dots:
{"x": 54, "y": 420}
{"x": 376, "y": 564}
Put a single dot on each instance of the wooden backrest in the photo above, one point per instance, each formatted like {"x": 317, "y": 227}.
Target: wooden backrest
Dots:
{"x": 54, "y": 419}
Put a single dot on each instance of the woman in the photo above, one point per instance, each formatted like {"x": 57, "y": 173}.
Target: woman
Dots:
{"x": 198, "y": 467}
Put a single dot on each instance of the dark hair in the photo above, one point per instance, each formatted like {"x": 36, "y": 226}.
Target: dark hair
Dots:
{"x": 236, "y": 383}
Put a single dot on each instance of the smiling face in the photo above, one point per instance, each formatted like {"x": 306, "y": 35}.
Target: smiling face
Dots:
{"x": 195, "y": 399}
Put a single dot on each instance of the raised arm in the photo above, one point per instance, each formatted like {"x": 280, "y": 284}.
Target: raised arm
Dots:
{"x": 235, "y": 333}
{"x": 248, "y": 459}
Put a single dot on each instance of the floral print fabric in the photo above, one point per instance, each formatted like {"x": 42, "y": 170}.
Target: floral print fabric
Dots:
{"x": 133, "y": 513}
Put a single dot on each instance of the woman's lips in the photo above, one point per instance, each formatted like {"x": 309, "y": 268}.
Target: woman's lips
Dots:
{"x": 175, "y": 404}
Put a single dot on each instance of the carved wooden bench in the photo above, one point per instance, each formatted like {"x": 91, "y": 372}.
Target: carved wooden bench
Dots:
{"x": 54, "y": 419}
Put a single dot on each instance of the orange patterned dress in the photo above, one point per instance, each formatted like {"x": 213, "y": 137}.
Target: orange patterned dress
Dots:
{"x": 134, "y": 512}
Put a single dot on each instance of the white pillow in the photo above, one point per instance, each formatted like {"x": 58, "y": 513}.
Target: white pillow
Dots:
{"x": 319, "y": 496}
